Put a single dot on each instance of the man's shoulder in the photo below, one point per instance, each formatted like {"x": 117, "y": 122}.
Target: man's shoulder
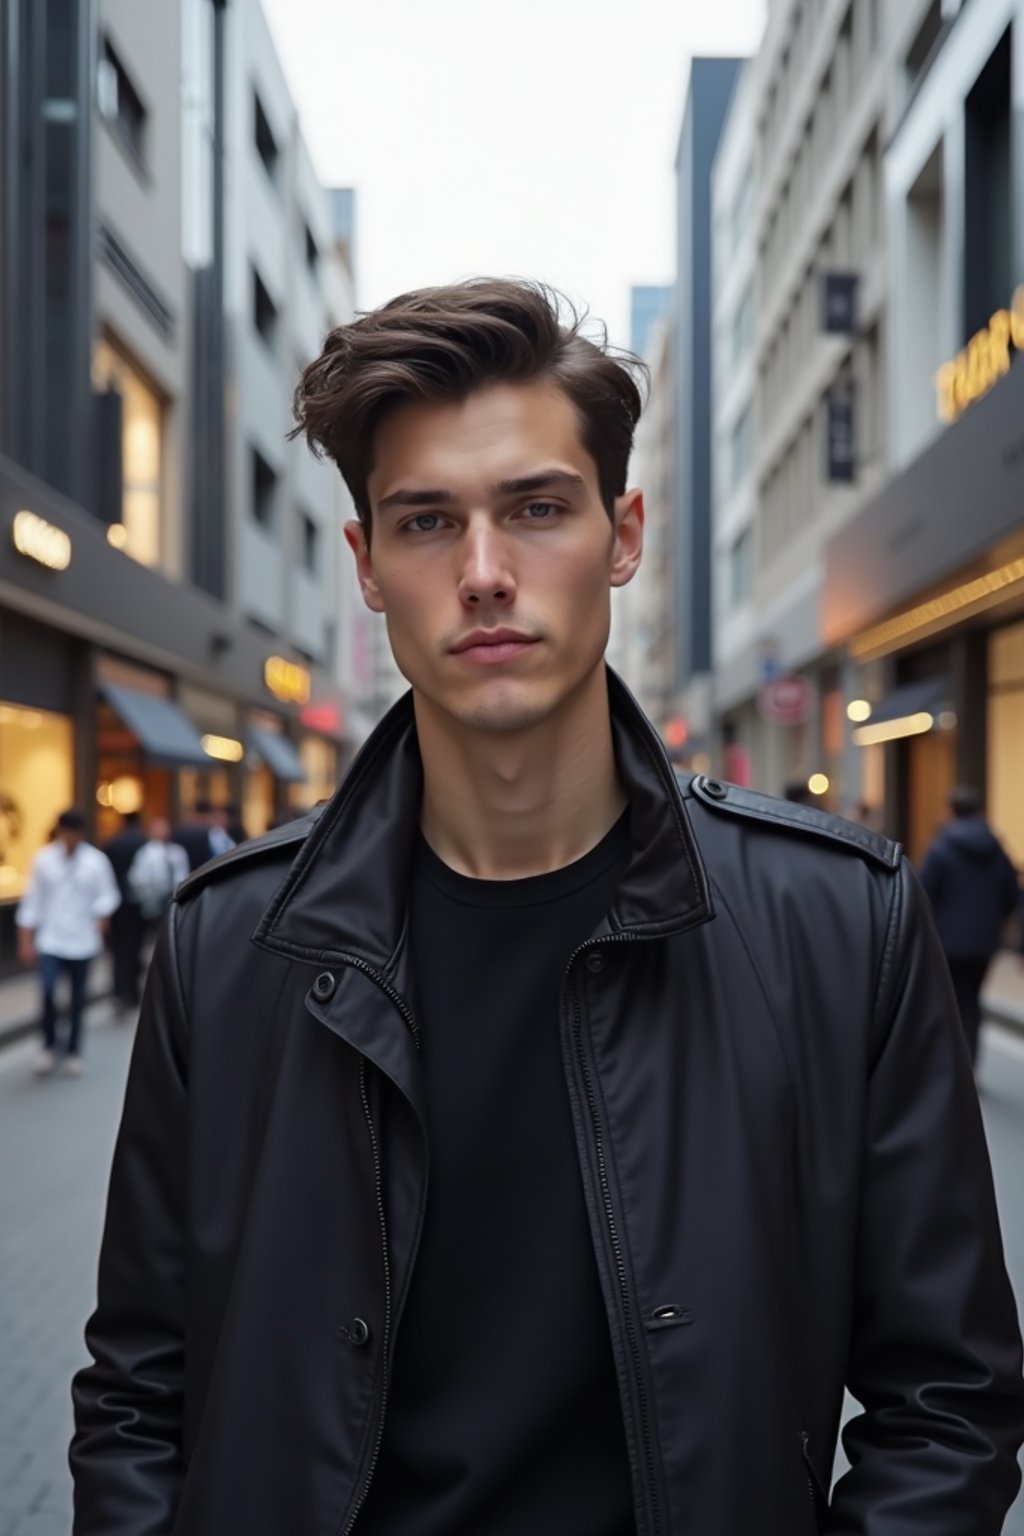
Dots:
{"x": 785, "y": 818}
{"x": 255, "y": 855}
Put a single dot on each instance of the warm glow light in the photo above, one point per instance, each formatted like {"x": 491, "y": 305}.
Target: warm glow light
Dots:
{"x": 940, "y": 611}
{"x": 8, "y": 875}
{"x": 117, "y": 534}
{"x": 893, "y": 730}
{"x": 225, "y": 748}
{"x": 103, "y": 795}
{"x": 818, "y": 784}
{"x": 13, "y": 714}
{"x": 125, "y": 795}
{"x": 286, "y": 680}
{"x": 947, "y": 720}
{"x": 40, "y": 541}
{"x": 858, "y": 710}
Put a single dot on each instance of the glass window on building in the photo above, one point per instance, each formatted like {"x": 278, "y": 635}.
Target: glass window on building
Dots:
{"x": 36, "y": 784}
{"x": 120, "y": 103}
{"x": 320, "y": 760}
{"x": 142, "y": 411}
{"x": 1006, "y": 738}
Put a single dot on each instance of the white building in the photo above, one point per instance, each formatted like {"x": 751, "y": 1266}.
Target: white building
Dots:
{"x": 734, "y": 422}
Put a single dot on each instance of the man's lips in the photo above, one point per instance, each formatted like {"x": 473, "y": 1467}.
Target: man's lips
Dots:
{"x": 493, "y": 645}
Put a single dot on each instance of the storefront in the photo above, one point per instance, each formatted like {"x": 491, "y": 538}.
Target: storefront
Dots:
{"x": 926, "y": 590}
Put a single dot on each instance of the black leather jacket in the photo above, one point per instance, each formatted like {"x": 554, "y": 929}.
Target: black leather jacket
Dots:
{"x": 778, "y": 1136}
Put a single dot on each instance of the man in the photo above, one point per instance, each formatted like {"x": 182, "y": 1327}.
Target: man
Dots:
{"x": 61, "y": 921}
{"x": 126, "y": 924}
{"x": 535, "y": 1141}
{"x": 972, "y": 886}
{"x": 194, "y": 835}
{"x": 157, "y": 870}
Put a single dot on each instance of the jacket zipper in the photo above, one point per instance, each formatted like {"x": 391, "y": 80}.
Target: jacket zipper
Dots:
{"x": 814, "y": 1487}
{"x": 370, "y": 1466}
{"x": 643, "y": 1414}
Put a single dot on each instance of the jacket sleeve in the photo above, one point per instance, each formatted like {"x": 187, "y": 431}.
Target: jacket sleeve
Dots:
{"x": 126, "y": 1454}
{"x": 935, "y": 1351}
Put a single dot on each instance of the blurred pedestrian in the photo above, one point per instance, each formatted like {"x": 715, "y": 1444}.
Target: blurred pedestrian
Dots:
{"x": 972, "y": 885}
{"x": 126, "y": 924}
{"x": 221, "y": 840}
{"x": 194, "y": 835}
{"x": 157, "y": 870}
{"x": 62, "y": 919}
{"x": 234, "y": 823}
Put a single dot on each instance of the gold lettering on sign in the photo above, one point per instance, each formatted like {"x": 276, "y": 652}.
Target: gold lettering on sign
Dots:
{"x": 970, "y": 375}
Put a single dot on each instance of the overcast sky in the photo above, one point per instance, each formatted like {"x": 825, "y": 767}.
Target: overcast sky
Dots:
{"x": 533, "y": 138}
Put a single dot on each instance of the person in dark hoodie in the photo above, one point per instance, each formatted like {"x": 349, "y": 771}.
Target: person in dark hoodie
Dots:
{"x": 972, "y": 885}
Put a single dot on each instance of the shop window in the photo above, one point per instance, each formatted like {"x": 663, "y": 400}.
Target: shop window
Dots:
{"x": 36, "y": 784}
{"x": 142, "y": 427}
{"x": 120, "y": 103}
{"x": 1006, "y": 737}
{"x": 263, "y": 137}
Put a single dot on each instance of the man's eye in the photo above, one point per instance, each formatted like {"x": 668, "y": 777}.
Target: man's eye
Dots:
{"x": 424, "y": 522}
{"x": 540, "y": 511}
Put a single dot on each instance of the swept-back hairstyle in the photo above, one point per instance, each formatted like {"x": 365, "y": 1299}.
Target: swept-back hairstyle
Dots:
{"x": 440, "y": 344}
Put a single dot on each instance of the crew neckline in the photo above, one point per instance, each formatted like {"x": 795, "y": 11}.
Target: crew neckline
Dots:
{"x": 532, "y": 890}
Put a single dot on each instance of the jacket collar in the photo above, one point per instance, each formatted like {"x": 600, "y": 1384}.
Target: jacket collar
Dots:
{"x": 344, "y": 897}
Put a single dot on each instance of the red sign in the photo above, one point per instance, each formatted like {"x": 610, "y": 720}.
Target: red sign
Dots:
{"x": 325, "y": 717}
{"x": 788, "y": 700}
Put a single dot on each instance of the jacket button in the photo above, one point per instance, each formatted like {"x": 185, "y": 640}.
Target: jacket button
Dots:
{"x": 716, "y": 790}
{"x": 596, "y": 962}
{"x": 356, "y": 1332}
{"x": 323, "y": 987}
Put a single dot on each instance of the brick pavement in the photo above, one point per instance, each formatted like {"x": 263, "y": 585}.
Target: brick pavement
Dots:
{"x": 56, "y": 1139}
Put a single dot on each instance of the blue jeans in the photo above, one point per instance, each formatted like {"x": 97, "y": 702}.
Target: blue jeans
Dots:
{"x": 50, "y": 967}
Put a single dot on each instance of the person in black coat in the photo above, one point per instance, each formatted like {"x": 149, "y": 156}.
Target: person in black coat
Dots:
{"x": 972, "y": 885}
{"x": 126, "y": 924}
{"x": 194, "y": 835}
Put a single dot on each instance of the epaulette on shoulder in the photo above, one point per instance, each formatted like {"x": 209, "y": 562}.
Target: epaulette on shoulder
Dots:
{"x": 252, "y": 850}
{"x": 788, "y": 816}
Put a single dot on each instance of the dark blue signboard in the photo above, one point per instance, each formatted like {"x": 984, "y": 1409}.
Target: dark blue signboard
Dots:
{"x": 841, "y": 463}
{"x": 839, "y": 303}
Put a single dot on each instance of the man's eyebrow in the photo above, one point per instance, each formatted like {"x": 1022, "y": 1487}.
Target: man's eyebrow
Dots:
{"x": 543, "y": 480}
{"x": 414, "y": 498}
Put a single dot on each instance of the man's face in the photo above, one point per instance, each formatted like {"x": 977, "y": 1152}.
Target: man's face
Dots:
{"x": 492, "y": 553}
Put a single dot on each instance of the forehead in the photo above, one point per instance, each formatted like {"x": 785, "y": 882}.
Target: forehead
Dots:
{"x": 497, "y": 432}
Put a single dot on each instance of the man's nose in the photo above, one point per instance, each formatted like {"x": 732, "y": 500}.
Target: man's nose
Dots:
{"x": 485, "y": 576}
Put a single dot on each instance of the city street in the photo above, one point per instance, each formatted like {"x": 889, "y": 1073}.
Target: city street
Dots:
{"x": 55, "y": 1143}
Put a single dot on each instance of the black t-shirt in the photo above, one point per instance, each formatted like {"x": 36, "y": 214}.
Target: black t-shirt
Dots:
{"x": 504, "y": 1416}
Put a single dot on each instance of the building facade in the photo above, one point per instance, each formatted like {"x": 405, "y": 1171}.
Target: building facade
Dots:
{"x": 137, "y": 669}
{"x": 710, "y": 91}
{"x": 924, "y": 588}
{"x": 734, "y": 422}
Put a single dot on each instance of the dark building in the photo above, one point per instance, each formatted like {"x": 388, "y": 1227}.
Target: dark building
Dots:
{"x": 710, "y": 91}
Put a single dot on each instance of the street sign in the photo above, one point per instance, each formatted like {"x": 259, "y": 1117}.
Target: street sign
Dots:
{"x": 841, "y": 460}
{"x": 788, "y": 700}
{"x": 839, "y": 303}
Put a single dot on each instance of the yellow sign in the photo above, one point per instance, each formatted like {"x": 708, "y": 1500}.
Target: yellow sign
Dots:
{"x": 225, "y": 748}
{"x": 286, "y": 680}
{"x": 982, "y": 363}
{"x": 40, "y": 541}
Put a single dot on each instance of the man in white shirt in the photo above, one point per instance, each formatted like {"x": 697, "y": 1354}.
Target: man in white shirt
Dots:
{"x": 62, "y": 919}
{"x": 157, "y": 870}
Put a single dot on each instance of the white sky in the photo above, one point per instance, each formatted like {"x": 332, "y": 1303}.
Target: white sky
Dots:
{"x": 536, "y": 138}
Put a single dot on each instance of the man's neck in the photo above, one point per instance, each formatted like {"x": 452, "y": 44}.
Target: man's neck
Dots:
{"x": 506, "y": 806}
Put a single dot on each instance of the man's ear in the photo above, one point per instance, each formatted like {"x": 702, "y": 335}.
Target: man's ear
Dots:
{"x": 355, "y": 534}
{"x": 628, "y": 544}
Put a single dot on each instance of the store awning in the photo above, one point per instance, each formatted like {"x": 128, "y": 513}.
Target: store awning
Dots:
{"x": 928, "y": 698}
{"x": 278, "y": 754}
{"x": 165, "y": 734}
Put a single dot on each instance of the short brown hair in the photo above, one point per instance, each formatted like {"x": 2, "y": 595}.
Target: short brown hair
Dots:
{"x": 444, "y": 343}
